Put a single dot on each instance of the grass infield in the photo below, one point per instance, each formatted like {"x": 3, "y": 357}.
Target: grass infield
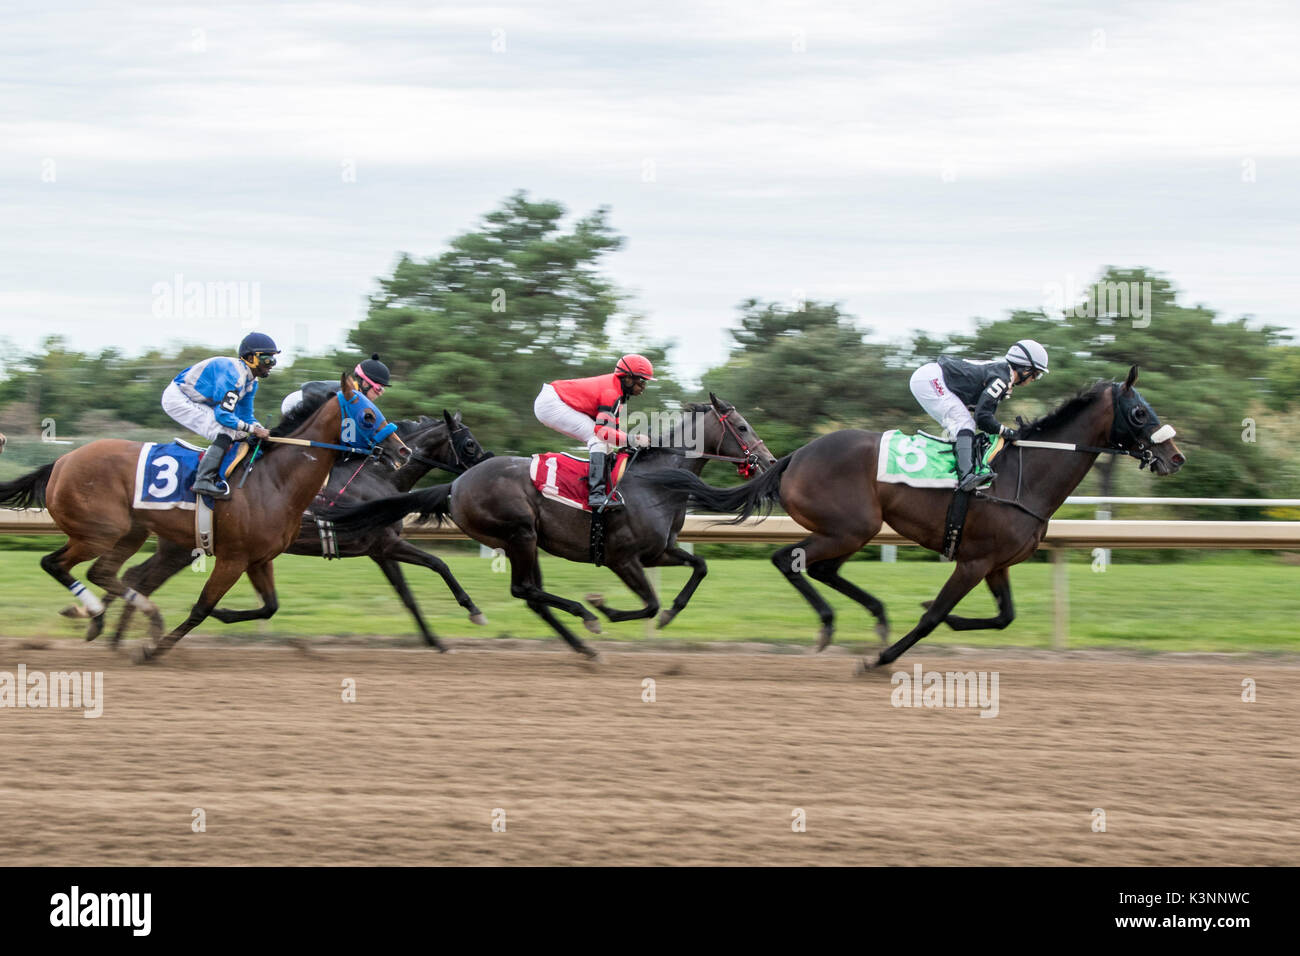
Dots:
{"x": 1232, "y": 602}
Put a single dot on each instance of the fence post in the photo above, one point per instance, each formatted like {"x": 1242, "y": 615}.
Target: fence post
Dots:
{"x": 1060, "y": 599}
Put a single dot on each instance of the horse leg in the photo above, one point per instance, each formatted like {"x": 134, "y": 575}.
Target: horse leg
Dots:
{"x": 405, "y": 551}
{"x": 262, "y": 577}
{"x": 526, "y": 584}
{"x": 58, "y": 564}
{"x": 965, "y": 576}
{"x": 104, "y": 574}
{"x": 393, "y": 571}
{"x": 222, "y": 579}
{"x": 631, "y": 573}
{"x": 999, "y": 583}
{"x": 675, "y": 557}
{"x": 793, "y": 559}
{"x": 147, "y": 577}
{"x": 828, "y": 573}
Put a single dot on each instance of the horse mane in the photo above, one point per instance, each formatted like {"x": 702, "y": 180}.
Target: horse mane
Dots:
{"x": 294, "y": 420}
{"x": 1066, "y": 410}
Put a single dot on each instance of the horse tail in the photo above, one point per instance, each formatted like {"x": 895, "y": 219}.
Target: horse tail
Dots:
{"x": 762, "y": 492}
{"x": 27, "y": 491}
{"x": 433, "y": 502}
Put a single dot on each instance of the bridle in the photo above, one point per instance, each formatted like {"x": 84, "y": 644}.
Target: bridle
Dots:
{"x": 1143, "y": 453}
{"x": 457, "y": 465}
{"x": 746, "y": 463}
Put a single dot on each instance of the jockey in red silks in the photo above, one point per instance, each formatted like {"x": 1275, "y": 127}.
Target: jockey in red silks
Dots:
{"x": 588, "y": 410}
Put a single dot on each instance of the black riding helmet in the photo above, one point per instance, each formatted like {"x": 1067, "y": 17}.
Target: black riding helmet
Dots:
{"x": 375, "y": 370}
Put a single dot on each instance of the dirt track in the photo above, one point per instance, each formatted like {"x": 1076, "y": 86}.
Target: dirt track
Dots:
{"x": 586, "y": 772}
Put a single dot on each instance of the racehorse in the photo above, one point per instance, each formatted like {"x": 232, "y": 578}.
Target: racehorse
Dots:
{"x": 498, "y": 505}
{"x": 89, "y": 494}
{"x": 435, "y": 443}
{"x": 829, "y": 487}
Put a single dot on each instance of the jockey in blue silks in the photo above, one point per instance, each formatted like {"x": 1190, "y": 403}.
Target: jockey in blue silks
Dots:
{"x": 214, "y": 399}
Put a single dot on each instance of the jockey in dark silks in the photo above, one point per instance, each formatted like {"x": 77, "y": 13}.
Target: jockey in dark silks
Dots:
{"x": 588, "y": 409}
{"x": 214, "y": 399}
{"x": 372, "y": 378}
{"x": 962, "y": 395}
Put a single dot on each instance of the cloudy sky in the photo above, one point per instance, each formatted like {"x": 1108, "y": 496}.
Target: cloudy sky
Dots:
{"x": 922, "y": 163}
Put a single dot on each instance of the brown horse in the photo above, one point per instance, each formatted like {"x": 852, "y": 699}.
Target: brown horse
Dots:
{"x": 829, "y": 487}
{"x": 89, "y": 494}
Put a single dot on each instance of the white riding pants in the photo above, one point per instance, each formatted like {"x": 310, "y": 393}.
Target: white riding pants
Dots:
{"x": 939, "y": 401}
{"x": 553, "y": 413}
{"x": 200, "y": 419}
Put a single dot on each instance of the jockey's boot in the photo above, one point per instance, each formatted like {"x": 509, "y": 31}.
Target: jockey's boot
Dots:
{"x": 968, "y": 477}
{"x": 206, "y": 481}
{"x": 597, "y": 493}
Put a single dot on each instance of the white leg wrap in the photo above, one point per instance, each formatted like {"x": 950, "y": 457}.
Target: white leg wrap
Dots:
{"x": 88, "y": 600}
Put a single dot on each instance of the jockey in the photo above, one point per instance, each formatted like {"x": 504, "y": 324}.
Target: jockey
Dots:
{"x": 952, "y": 388}
{"x": 372, "y": 378}
{"x": 214, "y": 398}
{"x": 588, "y": 409}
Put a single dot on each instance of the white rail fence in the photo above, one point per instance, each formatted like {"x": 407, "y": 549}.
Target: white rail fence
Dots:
{"x": 1063, "y": 535}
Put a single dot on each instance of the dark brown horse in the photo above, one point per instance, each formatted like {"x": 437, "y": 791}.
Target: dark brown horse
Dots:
{"x": 444, "y": 443}
{"x": 89, "y": 494}
{"x": 829, "y": 487}
{"x": 497, "y": 504}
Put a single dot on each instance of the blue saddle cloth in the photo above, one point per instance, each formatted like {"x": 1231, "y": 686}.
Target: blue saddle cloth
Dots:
{"x": 165, "y": 474}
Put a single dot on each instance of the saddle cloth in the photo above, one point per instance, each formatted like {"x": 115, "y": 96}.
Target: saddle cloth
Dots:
{"x": 164, "y": 473}
{"x": 563, "y": 478}
{"x": 922, "y": 460}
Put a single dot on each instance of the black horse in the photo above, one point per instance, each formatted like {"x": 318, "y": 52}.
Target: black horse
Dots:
{"x": 829, "y": 487}
{"x": 435, "y": 443}
{"x": 498, "y": 505}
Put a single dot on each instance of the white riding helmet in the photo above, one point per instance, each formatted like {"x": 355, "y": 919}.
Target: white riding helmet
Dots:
{"x": 1028, "y": 354}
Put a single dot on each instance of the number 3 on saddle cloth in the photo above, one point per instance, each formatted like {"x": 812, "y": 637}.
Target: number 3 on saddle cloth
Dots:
{"x": 164, "y": 478}
{"x": 563, "y": 478}
{"x": 924, "y": 461}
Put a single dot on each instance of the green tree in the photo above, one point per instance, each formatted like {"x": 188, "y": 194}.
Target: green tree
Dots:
{"x": 508, "y": 307}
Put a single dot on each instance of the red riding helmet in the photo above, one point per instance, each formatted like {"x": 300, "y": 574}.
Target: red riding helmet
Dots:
{"x": 637, "y": 366}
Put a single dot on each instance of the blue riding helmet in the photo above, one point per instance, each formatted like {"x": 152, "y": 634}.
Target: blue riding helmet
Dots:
{"x": 364, "y": 425}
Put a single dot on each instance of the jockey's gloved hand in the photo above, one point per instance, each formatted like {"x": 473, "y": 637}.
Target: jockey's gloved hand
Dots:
{"x": 1009, "y": 434}
{"x": 638, "y": 441}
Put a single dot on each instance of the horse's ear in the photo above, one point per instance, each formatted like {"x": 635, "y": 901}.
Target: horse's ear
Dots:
{"x": 1132, "y": 377}
{"x": 446, "y": 417}
{"x": 719, "y": 404}
{"x": 349, "y": 386}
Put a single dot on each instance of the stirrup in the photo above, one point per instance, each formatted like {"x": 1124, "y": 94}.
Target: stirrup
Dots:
{"x": 975, "y": 480}
{"x": 217, "y": 489}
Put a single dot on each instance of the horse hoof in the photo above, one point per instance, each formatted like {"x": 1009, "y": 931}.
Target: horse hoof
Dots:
{"x": 593, "y": 657}
{"x": 96, "y": 627}
{"x": 75, "y": 611}
{"x": 824, "y": 637}
{"x": 882, "y": 631}
{"x": 479, "y": 618}
{"x": 142, "y": 655}
{"x": 592, "y": 625}
{"x": 595, "y": 599}
{"x": 665, "y": 618}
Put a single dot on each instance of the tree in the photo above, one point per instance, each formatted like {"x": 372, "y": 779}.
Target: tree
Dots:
{"x": 508, "y": 307}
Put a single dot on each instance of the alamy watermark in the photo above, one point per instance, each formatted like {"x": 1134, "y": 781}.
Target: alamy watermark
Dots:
{"x": 1113, "y": 300}
{"x": 179, "y": 299}
{"x": 37, "y": 689}
{"x": 946, "y": 689}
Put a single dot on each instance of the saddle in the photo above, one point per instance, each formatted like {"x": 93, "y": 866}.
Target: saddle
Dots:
{"x": 164, "y": 479}
{"x": 563, "y": 478}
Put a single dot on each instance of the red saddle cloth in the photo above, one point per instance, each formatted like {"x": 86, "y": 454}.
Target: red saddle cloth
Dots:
{"x": 563, "y": 478}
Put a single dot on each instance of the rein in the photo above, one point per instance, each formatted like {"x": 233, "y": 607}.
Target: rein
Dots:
{"x": 1143, "y": 454}
{"x": 747, "y": 461}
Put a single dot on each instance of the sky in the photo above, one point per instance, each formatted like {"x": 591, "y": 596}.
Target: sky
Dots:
{"x": 922, "y": 163}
